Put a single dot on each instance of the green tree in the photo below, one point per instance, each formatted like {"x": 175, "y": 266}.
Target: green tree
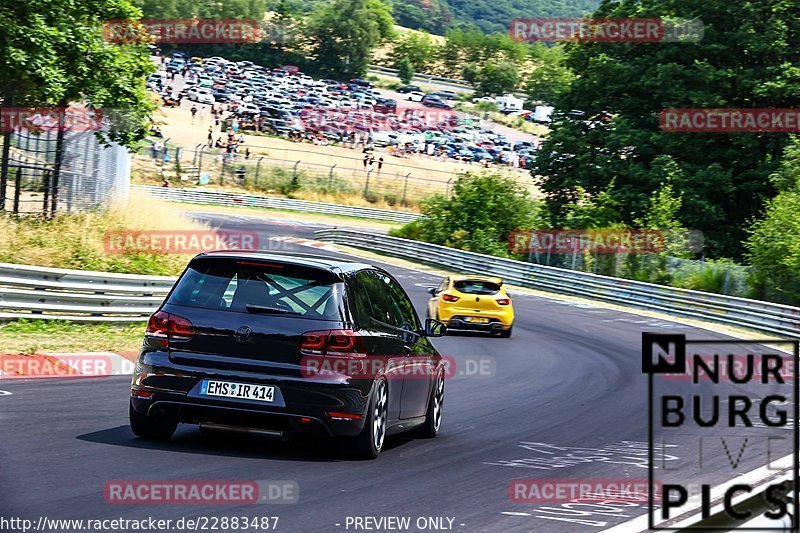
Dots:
{"x": 773, "y": 245}
{"x": 787, "y": 173}
{"x": 53, "y": 53}
{"x": 548, "y": 82}
{"x": 343, "y": 34}
{"x": 418, "y": 47}
{"x": 774, "y": 248}
{"x": 166, "y": 9}
{"x": 471, "y": 73}
{"x": 405, "y": 70}
{"x": 429, "y": 15}
{"x": 230, "y": 9}
{"x": 598, "y": 210}
{"x": 479, "y": 216}
{"x": 463, "y": 47}
{"x": 283, "y": 26}
{"x": 498, "y": 77}
{"x": 746, "y": 58}
{"x": 493, "y": 16}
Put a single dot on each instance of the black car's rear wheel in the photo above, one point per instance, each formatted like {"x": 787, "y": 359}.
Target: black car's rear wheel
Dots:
{"x": 368, "y": 443}
{"x": 157, "y": 426}
{"x": 433, "y": 417}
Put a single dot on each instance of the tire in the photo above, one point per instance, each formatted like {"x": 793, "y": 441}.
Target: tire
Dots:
{"x": 152, "y": 427}
{"x": 433, "y": 417}
{"x": 506, "y": 333}
{"x": 368, "y": 443}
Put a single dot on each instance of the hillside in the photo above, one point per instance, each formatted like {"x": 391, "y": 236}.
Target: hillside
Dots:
{"x": 491, "y": 16}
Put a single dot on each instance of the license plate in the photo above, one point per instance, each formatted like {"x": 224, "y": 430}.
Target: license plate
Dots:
{"x": 477, "y": 320}
{"x": 243, "y": 391}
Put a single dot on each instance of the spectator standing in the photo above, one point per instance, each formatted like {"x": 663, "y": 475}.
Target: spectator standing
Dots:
{"x": 193, "y": 110}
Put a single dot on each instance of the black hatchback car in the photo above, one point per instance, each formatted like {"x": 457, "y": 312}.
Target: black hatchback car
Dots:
{"x": 285, "y": 344}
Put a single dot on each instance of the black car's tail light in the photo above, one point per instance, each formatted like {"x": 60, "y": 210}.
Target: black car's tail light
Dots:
{"x": 164, "y": 327}
{"x": 333, "y": 342}
{"x": 313, "y": 342}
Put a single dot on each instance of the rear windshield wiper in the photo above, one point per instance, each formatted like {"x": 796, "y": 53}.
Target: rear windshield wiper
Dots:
{"x": 252, "y": 308}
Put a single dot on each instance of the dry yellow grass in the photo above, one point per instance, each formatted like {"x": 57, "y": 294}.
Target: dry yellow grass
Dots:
{"x": 78, "y": 240}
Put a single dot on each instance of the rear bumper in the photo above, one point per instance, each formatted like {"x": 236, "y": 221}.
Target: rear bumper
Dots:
{"x": 461, "y": 323}
{"x": 300, "y": 405}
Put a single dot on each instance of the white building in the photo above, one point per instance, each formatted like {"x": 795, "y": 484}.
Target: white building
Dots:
{"x": 509, "y": 102}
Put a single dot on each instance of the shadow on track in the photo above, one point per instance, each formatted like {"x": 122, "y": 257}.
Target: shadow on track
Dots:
{"x": 189, "y": 439}
{"x": 469, "y": 333}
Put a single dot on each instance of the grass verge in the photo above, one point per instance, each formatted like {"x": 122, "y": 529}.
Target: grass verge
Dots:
{"x": 36, "y": 336}
{"x": 79, "y": 240}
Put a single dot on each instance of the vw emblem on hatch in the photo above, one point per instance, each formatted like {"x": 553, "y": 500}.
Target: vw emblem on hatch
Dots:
{"x": 244, "y": 334}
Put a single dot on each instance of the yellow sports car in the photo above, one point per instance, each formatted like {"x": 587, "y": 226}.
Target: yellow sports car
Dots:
{"x": 472, "y": 303}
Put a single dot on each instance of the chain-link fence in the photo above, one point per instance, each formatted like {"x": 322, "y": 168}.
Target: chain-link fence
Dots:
{"x": 285, "y": 171}
{"x": 36, "y": 179}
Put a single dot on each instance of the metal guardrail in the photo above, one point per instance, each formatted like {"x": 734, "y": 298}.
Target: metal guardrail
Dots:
{"x": 461, "y": 84}
{"x": 739, "y": 312}
{"x": 51, "y": 293}
{"x": 196, "y": 196}
{"x": 79, "y": 296}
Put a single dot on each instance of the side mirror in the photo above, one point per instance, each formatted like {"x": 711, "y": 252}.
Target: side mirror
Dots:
{"x": 431, "y": 290}
{"x": 434, "y": 328}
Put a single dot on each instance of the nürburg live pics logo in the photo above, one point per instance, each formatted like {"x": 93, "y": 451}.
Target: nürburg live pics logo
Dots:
{"x": 728, "y": 410}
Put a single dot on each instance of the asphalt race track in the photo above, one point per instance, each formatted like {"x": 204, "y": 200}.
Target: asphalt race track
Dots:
{"x": 569, "y": 377}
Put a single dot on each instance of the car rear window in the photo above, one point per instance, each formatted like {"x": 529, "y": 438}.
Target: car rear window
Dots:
{"x": 471, "y": 286}
{"x": 232, "y": 285}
